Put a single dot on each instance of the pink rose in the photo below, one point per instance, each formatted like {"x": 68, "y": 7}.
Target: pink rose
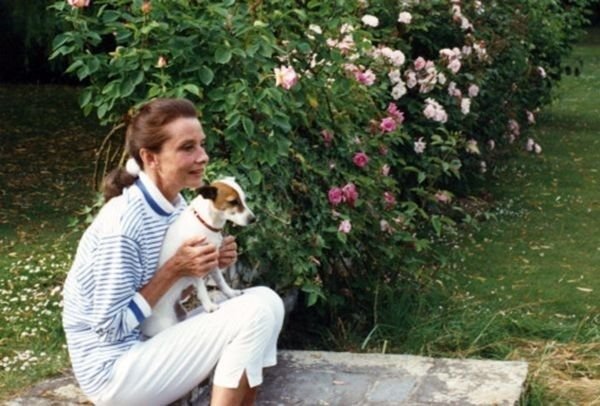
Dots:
{"x": 327, "y": 137}
{"x": 336, "y": 196}
{"x": 350, "y": 194}
{"x": 286, "y": 77}
{"x": 388, "y": 125}
{"x": 385, "y": 227}
{"x": 443, "y": 196}
{"x": 473, "y": 90}
{"x": 360, "y": 159}
{"x": 78, "y": 3}
{"x": 529, "y": 145}
{"x": 366, "y": 78}
{"x": 146, "y": 7}
{"x": 420, "y": 63}
{"x": 396, "y": 114}
{"x": 162, "y": 62}
{"x": 345, "y": 227}
{"x": 385, "y": 170}
{"x": 405, "y": 17}
{"x": 514, "y": 127}
{"x": 420, "y": 145}
{"x": 390, "y": 199}
{"x": 530, "y": 117}
{"x": 541, "y": 71}
{"x": 454, "y": 66}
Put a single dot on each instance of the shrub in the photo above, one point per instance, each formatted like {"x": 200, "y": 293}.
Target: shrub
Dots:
{"x": 352, "y": 126}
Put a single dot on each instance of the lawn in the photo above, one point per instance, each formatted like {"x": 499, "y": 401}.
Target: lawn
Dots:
{"x": 524, "y": 285}
{"x": 47, "y": 152}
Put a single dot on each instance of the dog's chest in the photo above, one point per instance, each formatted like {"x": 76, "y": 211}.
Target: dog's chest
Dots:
{"x": 183, "y": 229}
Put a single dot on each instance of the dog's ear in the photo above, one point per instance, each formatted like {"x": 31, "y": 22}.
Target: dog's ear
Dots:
{"x": 208, "y": 192}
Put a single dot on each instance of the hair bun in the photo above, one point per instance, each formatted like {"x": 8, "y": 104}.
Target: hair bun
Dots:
{"x": 132, "y": 167}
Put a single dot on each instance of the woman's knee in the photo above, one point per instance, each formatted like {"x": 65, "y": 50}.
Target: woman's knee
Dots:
{"x": 270, "y": 299}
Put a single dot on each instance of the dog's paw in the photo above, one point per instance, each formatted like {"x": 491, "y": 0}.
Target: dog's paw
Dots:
{"x": 211, "y": 307}
{"x": 233, "y": 293}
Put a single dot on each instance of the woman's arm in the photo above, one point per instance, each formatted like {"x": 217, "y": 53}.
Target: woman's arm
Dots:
{"x": 193, "y": 258}
{"x": 117, "y": 307}
{"x": 227, "y": 252}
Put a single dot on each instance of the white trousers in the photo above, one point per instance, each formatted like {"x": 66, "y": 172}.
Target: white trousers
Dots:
{"x": 241, "y": 336}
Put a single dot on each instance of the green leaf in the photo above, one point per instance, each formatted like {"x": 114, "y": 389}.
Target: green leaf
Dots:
{"x": 74, "y": 66}
{"x": 206, "y": 75}
{"x": 222, "y": 55}
{"x": 436, "y": 222}
{"x": 102, "y": 110}
{"x": 110, "y": 16}
{"x": 312, "y": 299}
{"x": 191, "y": 88}
{"x": 283, "y": 146}
{"x": 314, "y": 293}
{"x": 248, "y": 126}
{"x": 304, "y": 47}
{"x": 60, "y": 40}
{"x": 154, "y": 91}
{"x": 255, "y": 177}
{"x": 147, "y": 28}
{"x": 233, "y": 118}
{"x": 85, "y": 97}
{"x": 282, "y": 122}
{"x": 126, "y": 88}
{"x": 63, "y": 50}
{"x": 128, "y": 85}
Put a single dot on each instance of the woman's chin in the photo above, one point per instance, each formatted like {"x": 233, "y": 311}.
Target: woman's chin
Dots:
{"x": 195, "y": 182}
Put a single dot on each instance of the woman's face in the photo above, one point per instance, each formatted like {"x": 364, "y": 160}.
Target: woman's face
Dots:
{"x": 182, "y": 159}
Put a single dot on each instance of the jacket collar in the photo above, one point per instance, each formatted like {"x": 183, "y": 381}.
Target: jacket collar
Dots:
{"x": 155, "y": 199}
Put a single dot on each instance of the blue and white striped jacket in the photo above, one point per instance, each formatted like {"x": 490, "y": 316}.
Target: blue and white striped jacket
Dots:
{"x": 117, "y": 255}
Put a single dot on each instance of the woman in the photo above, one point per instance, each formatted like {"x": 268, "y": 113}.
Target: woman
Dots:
{"x": 114, "y": 283}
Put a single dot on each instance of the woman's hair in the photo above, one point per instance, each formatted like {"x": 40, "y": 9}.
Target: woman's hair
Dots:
{"x": 146, "y": 130}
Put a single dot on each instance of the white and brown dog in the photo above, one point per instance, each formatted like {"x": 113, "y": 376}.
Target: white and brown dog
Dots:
{"x": 222, "y": 201}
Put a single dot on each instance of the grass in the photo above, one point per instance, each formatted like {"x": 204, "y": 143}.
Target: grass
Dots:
{"x": 47, "y": 163}
{"x": 523, "y": 286}
{"x": 526, "y": 285}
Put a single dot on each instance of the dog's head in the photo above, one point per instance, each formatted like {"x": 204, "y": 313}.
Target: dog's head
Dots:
{"x": 228, "y": 200}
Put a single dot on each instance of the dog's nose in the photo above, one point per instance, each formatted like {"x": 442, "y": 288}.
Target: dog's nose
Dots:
{"x": 251, "y": 219}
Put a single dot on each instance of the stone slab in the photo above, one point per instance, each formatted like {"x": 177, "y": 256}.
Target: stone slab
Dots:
{"x": 333, "y": 378}
{"x": 326, "y": 378}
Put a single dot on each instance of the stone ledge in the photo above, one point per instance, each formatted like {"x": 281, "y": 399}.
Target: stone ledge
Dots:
{"x": 330, "y": 378}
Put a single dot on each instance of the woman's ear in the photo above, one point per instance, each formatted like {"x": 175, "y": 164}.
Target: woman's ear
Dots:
{"x": 208, "y": 192}
{"x": 148, "y": 158}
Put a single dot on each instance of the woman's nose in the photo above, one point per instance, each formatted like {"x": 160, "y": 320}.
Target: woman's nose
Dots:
{"x": 202, "y": 155}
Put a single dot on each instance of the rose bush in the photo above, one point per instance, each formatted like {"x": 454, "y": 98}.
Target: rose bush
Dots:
{"x": 352, "y": 126}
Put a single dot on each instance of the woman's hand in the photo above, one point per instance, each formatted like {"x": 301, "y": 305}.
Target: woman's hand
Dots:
{"x": 195, "y": 257}
{"x": 227, "y": 252}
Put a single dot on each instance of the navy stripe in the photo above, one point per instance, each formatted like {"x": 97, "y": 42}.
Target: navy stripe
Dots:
{"x": 136, "y": 311}
{"x": 150, "y": 200}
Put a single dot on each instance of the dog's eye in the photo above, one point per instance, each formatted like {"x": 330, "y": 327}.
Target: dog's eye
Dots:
{"x": 234, "y": 202}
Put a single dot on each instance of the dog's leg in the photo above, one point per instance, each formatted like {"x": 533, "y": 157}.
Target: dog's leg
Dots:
{"x": 217, "y": 276}
{"x": 155, "y": 324}
{"x": 202, "y": 293}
